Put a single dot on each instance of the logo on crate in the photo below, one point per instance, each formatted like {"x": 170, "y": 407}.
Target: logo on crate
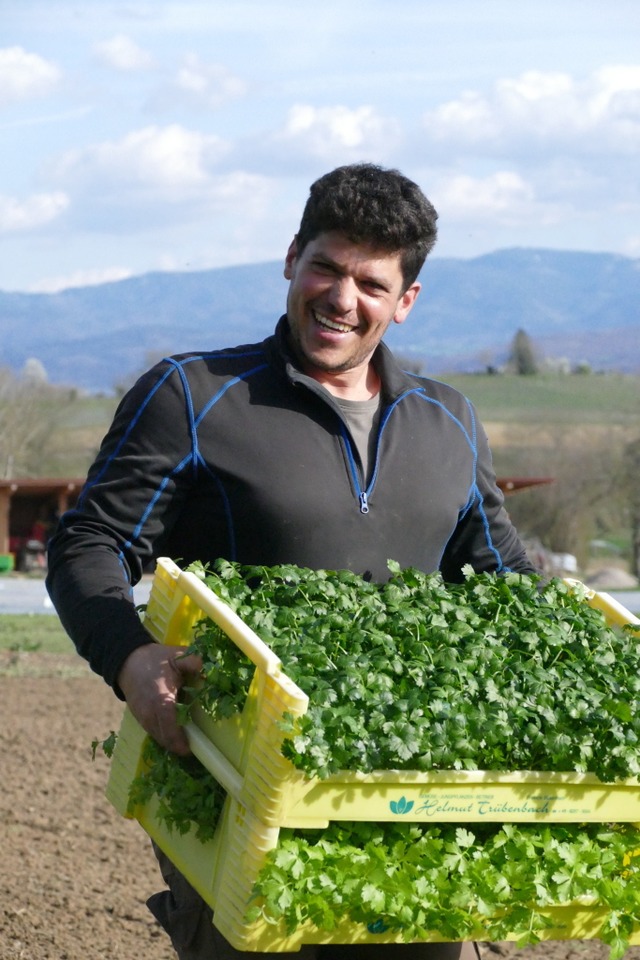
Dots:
{"x": 401, "y": 806}
{"x": 379, "y": 926}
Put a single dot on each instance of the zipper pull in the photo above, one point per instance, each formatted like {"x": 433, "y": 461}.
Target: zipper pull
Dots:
{"x": 364, "y": 503}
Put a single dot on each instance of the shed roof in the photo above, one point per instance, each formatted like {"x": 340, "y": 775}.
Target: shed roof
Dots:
{"x": 41, "y": 485}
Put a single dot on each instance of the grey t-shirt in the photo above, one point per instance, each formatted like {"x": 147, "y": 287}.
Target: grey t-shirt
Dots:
{"x": 362, "y": 417}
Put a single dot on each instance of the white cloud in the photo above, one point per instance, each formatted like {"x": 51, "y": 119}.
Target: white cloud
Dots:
{"x": 123, "y": 53}
{"x": 172, "y": 158}
{"x": 328, "y": 131}
{"x": 81, "y": 278}
{"x": 545, "y": 110}
{"x": 35, "y": 211}
{"x": 632, "y": 246}
{"x": 201, "y": 85}
{"x": 153, "y": 177}
{"x": 328, "y": 135}
{"x": 614, "y": 81}
{"x": 24, "y": 75}
{"x": 197, "y": 86}
{"x": 503, "y": 196}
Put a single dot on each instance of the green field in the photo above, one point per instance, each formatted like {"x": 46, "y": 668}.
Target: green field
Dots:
{"x": 33, "y": 632}
{"x": 552, "y": 398}
{"x": 35, "y": 645}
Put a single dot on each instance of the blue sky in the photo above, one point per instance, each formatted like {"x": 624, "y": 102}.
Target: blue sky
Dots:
{"x": 163, "y": 135}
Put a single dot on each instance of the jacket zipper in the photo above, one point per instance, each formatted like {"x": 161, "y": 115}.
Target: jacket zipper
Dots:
{"x": 363, "y": 495}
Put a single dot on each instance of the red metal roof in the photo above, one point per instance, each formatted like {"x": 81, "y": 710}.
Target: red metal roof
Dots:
{"x": 513, "y": 484}
{"x": 38, "y": 485}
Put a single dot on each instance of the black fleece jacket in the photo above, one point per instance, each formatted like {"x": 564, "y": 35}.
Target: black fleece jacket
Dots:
{"x": 237, "y": 454}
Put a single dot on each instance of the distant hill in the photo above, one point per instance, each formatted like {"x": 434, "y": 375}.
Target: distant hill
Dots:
{"x": 578, "y": 306}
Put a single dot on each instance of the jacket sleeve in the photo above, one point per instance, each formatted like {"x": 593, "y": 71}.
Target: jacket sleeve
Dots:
{"x": 484, "y": 537}
{"x": 131, "y": 496}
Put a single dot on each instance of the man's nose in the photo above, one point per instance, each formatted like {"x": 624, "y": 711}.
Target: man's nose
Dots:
{"x": 343, "y": 294}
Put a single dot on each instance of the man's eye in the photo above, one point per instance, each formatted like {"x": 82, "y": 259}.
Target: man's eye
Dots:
{"x": 323, "y": 267}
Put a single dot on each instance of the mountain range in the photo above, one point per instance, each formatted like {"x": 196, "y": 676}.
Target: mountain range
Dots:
{"x": 581, "y": 307}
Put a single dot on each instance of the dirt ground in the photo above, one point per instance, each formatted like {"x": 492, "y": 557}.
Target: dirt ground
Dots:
{"x": 74, "y": 875}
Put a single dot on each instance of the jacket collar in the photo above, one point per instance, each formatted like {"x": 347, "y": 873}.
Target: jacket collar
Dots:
{"x": 393, "y": 378}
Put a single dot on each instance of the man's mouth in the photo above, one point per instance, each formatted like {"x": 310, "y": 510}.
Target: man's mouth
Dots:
{"x": 335, "y": 325}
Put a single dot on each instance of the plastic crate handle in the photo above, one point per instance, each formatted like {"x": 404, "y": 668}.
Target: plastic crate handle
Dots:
{"x": 615, "y": 613}
{"x": 214, "y": 760}
{"x": 229, "y": 621}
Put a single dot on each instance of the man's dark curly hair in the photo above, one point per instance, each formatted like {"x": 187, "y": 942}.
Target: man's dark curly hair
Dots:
{"x": 375, "y": 206}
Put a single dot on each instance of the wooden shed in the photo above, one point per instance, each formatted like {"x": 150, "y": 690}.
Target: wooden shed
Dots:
{"x": 30, "y": 507}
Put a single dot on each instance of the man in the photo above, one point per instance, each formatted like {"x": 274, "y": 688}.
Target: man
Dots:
{"x": 312, "y": 447}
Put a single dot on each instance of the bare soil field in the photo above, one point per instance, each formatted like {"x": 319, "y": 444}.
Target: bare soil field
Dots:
{"x": 74, "y": 875}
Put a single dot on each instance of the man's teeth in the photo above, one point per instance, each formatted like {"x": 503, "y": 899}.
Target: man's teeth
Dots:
{"x": 332, "y": 324}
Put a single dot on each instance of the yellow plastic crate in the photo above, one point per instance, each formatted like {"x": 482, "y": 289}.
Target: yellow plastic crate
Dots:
{"x": 223, "y": 871}
{"x": 265, "y": 792}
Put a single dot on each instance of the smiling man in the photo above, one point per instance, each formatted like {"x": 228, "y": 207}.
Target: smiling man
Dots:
{"x": 353, "y": 269}
{"x": 342, "y": 298}
{"x": 313, "y": 447}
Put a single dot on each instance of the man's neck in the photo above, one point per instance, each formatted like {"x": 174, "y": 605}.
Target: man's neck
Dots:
{"x": 361, "y": 383}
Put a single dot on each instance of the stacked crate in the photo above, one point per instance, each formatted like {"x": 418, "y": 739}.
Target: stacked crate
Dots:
{"x": 266, "y": 793}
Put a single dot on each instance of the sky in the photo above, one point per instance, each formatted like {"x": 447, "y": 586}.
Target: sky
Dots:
{"x": 173, "y": 135}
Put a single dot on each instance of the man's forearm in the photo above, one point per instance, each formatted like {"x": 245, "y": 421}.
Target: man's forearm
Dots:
{"x": 91, "y": 590}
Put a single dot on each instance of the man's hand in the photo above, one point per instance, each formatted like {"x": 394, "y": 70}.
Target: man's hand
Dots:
{"x": 150, "y": 679}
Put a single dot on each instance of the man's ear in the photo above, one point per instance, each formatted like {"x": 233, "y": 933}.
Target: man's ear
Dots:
{"x": 290, "y": 258}
{"x": 406, "y": 302}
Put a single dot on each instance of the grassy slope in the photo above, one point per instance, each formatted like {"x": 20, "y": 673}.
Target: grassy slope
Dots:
{"x": 594, "y": 399}
{"x": 35, "y": 645}
{"x": 38, "y": 632}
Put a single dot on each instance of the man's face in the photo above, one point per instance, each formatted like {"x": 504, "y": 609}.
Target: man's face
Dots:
{"x": 342, "y": 298}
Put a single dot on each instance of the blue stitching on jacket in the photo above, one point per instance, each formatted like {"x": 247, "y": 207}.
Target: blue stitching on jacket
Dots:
{"x": 473, "y": 488}
{"x": 487, "y": 531}
{"x": 226, "y": 506}
{"x": 214, "y": 355}
{"x": 472, "y": 440}
{"x": 190, "y": 412}
{"x": 438, "y": 403}
{"x": 194, "y": 457}
{"x": 350, "y": 458}
{"x": 223, "y": 390}
{"x": 125, "y": 576}
{"x": 156, "y": 496}
{"x": 125, "y": 435}
{"x": 145, "y": 402}
{"x": 475, "y": 493}
{"x": 383, "y": 422}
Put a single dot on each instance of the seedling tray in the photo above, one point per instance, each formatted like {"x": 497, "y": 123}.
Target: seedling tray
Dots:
{"x": 243, "y": 752}
{"x": 265, "y": 792}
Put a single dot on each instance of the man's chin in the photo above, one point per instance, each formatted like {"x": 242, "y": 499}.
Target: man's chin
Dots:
{"x": 329, "y": 366}
{"x": 310, "y": 359}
